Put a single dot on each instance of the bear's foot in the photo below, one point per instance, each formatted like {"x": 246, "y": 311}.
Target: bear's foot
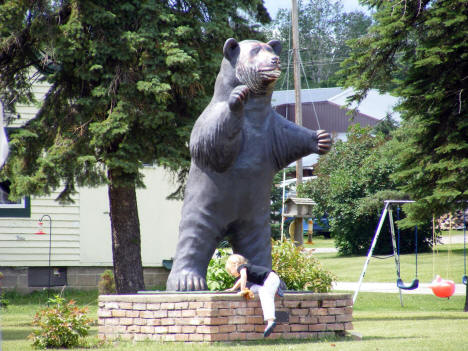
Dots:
{"x": 186, "y": 281}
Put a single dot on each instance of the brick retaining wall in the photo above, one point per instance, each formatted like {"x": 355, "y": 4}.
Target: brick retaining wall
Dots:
{"x": 220, "y": 316}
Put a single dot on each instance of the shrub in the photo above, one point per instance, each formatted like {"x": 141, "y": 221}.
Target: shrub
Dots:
{"x": 352, "y": 181}
{"x": 106, "y": 285}
{"x": 217, "y": 278}
{"x": 299, "y": 270}
{"x": 4, "y": 302}
{"x": 61, "y": 325}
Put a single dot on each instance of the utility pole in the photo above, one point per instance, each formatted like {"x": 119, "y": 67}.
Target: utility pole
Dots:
{"x": 298, "y": 233}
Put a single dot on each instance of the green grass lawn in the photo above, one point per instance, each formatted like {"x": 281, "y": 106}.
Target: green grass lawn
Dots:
{"x": 319, "y": 242}
{"x": 425, "y": 323}
{"x": 348, "y": 269}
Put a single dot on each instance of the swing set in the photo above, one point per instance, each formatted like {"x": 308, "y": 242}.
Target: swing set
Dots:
{"x": 440, "y": 287}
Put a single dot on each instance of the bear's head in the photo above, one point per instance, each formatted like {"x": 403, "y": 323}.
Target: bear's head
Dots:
{"x": 255, "y": 64}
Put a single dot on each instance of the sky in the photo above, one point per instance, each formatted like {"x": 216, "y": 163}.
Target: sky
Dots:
{"x": 274, "y": 5}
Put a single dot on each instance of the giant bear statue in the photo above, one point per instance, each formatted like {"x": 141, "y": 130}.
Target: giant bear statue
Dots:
{"x": 237, "y": 145}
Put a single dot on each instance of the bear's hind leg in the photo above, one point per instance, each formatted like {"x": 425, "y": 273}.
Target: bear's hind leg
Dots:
{"x": 253, "y": 241}
{"x": 197, "y": 243}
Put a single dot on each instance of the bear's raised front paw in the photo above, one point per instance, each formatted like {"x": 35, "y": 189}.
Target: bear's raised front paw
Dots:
{"x": 186, "y": 281}
{"x": 323, "y": 142}
{"x": 238, "y": 97}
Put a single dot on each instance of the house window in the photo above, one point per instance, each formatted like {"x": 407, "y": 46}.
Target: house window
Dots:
{"x": 8, "y": 208}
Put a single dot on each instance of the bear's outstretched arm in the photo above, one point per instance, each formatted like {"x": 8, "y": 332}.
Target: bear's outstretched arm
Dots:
{"x": 291, "y": 142}
{"x": 216, "y": 137}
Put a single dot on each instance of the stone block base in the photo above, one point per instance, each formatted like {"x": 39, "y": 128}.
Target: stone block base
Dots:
{"x": 204, "y": 316}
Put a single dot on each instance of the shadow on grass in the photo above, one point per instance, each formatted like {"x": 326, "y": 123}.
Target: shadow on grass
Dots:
{"x": 457, "y": 252}
{"x": 277, "y": 342}
{"x": 39, "y": 297}
{"x": 281, "y": 341}
{"x": 417, "y": 318}
{"x": 14, "y": 334}
{"x": 11, "y": 334}
{"x": 370, "y": 338}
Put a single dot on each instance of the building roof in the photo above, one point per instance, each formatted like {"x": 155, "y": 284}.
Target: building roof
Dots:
{"x": 375, "y": 104}
{"x": 282, "y": 97}
{"x": 327, "y": 116}
{"x": 326, "y": 108}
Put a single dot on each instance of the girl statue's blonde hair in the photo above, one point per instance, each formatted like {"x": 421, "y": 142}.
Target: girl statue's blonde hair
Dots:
{"x": 235, "y": 261}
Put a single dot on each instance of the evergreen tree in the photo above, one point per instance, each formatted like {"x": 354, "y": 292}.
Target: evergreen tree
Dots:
{"x": 128, "y": 78}
{"x": 419, "y": 51}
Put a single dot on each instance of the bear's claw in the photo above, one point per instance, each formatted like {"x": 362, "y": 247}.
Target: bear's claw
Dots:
{"x": 238, "y": 96}
{"x": 186, "y": 282}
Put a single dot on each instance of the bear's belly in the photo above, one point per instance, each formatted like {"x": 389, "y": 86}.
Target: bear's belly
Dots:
{"x": 238, "y": 192}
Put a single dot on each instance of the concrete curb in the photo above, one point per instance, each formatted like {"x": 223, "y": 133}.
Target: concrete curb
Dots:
{"x": 423, "y": 288}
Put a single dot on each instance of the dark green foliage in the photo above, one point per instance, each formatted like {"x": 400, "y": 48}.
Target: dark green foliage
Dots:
{"x": 217, "y": 277}
{"x": 352, "y": 181}
{"x": 106, "y": 285}
{"x": 299, "y": 270}
{"x": 3, "y": 301}
{"x": 324, "y": 29}
{"x": 386, "y": 126}
{"x": 127, "y": 81}
{"x": 418, "y": 50}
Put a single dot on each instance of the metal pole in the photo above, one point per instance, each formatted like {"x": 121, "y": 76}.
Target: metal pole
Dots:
{"x": 464, "y": 279}
{"x": 50, "y": 252}
{"x": 371, "y": 250}
{"x": 395, "y": 251}
{"x": 282, "y": 204}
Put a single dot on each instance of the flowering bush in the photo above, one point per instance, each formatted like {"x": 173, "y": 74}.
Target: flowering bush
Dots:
{"x": 299, "y": 270}
{"x": 61, "y": 325}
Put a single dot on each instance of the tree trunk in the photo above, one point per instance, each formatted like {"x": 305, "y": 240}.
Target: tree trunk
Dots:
{"x": 126, "y": 243}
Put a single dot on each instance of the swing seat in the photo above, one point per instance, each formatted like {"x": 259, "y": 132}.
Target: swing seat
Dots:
{"x": 442, "y": 288}
{"x": 401, "y": 285}
{"x": 465, "y": 280}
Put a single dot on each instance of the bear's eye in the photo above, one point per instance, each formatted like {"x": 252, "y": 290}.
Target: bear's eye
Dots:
{"x": 255, "y": 51}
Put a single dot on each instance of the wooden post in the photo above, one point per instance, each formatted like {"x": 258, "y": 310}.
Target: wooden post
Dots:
{"x": 310, "y": 230}
{"x": 298, "y": 234}
{"x": 297, "y": 80}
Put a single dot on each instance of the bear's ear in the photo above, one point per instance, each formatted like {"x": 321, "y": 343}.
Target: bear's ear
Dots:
{"x": 231, "y": 48}
{"x": 276, "y": 46}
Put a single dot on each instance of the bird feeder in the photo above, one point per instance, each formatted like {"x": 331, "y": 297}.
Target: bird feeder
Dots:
{"x": 298, "y": 208}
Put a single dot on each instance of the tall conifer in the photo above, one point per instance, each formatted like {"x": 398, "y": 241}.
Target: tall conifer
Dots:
{"x": 419, "y": 51}
{"x": 128, "y": 78}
